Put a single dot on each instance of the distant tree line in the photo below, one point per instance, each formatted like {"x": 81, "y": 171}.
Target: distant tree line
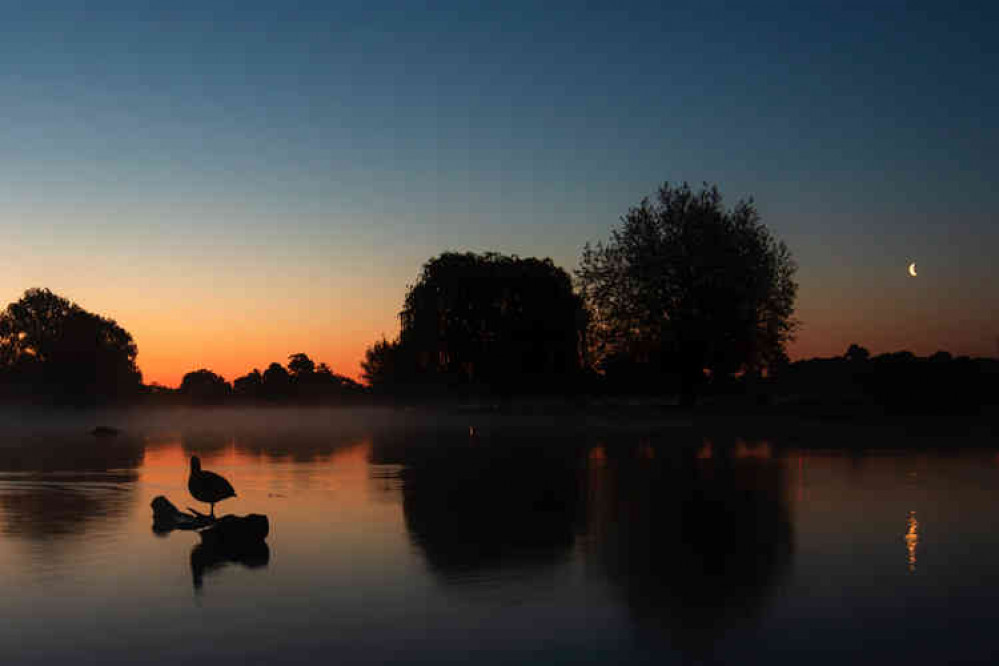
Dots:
{"x": 302, "y": 381}
{"x": 894, "y": 383}
{"x": 52, "y": 351}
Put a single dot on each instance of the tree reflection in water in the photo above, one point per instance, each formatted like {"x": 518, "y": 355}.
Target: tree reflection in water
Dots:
{"x": 695, "y": 540}
{"x": 476, "y": 508}
{"x": 694, "y": 535}
{"x": 63, "y": 487}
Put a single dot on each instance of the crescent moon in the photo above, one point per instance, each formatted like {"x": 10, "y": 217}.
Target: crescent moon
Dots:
{"x": 912, "y": 269}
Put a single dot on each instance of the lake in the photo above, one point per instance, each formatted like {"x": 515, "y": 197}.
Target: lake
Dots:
{"x": 414, "y": 539}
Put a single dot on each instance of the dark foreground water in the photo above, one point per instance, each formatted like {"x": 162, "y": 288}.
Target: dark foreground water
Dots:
{"x": 469, "y": 544}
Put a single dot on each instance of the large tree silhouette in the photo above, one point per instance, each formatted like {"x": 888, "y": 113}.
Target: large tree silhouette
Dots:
{"x": 685, "y": 285}
{"x": 51, "y": 346}
{"x": 490, "y": 320}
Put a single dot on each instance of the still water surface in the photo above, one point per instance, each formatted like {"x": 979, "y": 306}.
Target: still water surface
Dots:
{"x": 456, "y": 544}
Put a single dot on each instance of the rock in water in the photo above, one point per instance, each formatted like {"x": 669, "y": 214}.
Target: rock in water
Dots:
{"x": 237, "y": 531}
{"x": 167, "y": 517}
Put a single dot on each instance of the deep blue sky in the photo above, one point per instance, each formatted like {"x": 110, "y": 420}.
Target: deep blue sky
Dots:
{"x": 261, "y": 167}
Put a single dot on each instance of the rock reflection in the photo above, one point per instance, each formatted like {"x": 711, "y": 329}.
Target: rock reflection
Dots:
{"x": 490, "y": 510}
{"x": 208, "y": 557}
{"x": 695, "y": 541}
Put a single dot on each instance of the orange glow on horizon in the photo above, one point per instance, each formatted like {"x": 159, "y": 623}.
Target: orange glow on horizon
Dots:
{"x": 167, "y": 351}
{"x": 232, "y": 321}
{"x": 168, "y": 370}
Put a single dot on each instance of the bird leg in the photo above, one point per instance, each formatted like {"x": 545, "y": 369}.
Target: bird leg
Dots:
{"x": 212, "y": 511}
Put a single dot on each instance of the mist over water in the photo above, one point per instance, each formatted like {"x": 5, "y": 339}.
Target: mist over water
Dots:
{"x": 417, "y": 537}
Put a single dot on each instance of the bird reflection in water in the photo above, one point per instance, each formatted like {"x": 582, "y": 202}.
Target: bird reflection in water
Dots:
{"x": 911, "y": 540}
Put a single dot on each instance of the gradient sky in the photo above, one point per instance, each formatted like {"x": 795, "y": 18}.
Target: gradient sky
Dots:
{"x": 235, "y": 182}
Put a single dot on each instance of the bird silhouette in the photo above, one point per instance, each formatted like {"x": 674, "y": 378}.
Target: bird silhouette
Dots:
{"x": 208, "y": 486}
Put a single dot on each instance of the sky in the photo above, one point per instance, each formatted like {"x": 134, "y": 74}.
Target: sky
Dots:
{"x": 236, "y": 182}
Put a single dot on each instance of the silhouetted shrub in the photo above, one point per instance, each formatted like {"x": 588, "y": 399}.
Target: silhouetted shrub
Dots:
{"x": 204, "y": 387}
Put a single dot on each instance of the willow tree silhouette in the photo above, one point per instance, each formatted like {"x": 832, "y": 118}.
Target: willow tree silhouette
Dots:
{"x": 485, "y": 320}
{"x": 685, "y": 285}
{"x": 52, "y": 348}
{"x": 389, "y": 368}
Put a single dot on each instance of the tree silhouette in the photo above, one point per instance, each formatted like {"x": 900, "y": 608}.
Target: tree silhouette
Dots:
{"x": 897, "y": 383}
{"x": 300, "y": 365}
{"x": 50, "y": 345}
{"x": 685, "y": 285}
{"x": 249, "y": 385}
{"x": 276, "y": 382}
{"x": 489, "y": 320}
{"x": 204, "y": 387}
{"x": 315, "y": 383}
{"x": 857, "y": 353}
